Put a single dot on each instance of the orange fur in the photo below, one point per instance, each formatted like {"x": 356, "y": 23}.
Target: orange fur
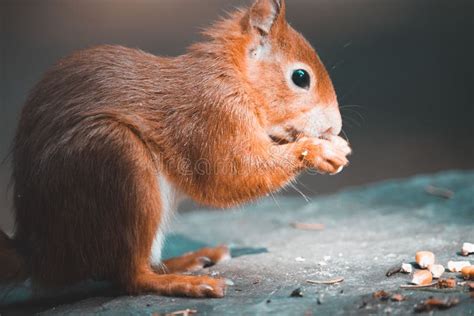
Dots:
{"x": 104, "y": 122}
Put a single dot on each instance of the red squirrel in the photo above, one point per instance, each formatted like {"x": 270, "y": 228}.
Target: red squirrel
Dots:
{"x": 112, "y": 138}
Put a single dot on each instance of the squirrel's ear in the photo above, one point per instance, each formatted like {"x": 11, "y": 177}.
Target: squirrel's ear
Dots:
{"x": 265, "y": 14}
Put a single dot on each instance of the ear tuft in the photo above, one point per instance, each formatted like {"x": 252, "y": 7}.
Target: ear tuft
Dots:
{"x": 264, "y": 13}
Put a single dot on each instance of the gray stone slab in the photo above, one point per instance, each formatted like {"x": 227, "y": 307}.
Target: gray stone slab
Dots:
{"x": 367, "y": 231}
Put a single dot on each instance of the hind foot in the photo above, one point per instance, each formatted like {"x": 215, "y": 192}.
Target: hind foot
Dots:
{"x": 196, "y": 260}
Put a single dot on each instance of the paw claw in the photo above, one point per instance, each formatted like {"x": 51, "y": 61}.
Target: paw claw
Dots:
{"x": 216, "y": 291}
{"x": 338, "y": 170}
{"x": 205, "y": 262}
{"x": 206, "y": 287}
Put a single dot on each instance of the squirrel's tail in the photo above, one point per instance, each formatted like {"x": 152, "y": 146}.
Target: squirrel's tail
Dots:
{"x": 13, "y": 267}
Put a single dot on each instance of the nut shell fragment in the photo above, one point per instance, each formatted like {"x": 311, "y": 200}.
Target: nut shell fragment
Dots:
{"x": 397, "y": 298}
{"x": 470, "y": 286}
{"x": 381, "y": 295}
{"x": 425, "y": 258}
{"x": 447, "y": 283}
{"x": 468, "y": 272}
{"x": 457, "y": 266}
{"x": 422, "y": 277}
{"x": 467, "y": 249}
{"x": 436, "y": 270}
{"x": 406, "y": 268}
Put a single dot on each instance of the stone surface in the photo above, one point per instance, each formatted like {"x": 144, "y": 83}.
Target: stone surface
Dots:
{"x": 367, "y": 231}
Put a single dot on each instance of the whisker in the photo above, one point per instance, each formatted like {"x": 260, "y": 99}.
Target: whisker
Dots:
{"x": 352, "y": 106}
{"x": 351, "y": 120}
{"x": 275, "y": 200}
{"x": 357, "y": 113}
{"x": 306, "y": 188}
{"x": 346, "y": 123}
{"x": 294, "y": 187}
{"x": 312, "y": 191}
{"x": 339, "y": 63}
{"x": 350, "y": 91}
{"x": 345, "y": 136}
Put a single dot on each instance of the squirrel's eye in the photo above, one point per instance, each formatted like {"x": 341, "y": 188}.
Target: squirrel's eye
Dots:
{"x": 301, "y": 78}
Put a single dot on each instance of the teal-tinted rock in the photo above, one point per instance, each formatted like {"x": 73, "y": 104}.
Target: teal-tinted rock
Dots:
{"x": 367, "y": 231}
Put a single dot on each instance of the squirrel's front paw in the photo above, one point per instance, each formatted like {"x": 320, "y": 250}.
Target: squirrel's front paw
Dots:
{"x": 340, "y": 143}
{"x": 325, "y": 155}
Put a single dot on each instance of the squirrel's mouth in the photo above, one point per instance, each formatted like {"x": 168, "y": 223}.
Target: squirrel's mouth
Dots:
{"x": 291, "y": 135}
{"x": 280, "y": 140}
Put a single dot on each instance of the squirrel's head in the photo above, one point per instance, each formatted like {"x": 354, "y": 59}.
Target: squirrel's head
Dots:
{"x": 296, "y": 96}
{"x": 286, "y": 70}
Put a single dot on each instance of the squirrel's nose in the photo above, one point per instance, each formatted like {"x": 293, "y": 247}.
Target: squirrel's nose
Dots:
{"x": 330, "y": 126}
{"x": 331, "y": 131}
{"x": 328, "y": 131}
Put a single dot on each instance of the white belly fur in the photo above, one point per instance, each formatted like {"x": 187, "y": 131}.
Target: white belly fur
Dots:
{"x": 170, "y": 198}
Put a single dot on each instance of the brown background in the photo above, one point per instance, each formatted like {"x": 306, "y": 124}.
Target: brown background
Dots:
{"x": 406, "y": 65}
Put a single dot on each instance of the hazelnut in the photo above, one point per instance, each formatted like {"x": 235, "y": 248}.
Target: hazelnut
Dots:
{"x": 424, "y": 259}
{"x": 468, "y": 272}
{"x": 422, "y": 277}
{"x": 436, "y": 270}
{"x": 456, "y": 266}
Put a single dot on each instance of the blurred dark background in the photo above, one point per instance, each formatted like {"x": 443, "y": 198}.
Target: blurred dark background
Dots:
{"x": 403, "y": 70}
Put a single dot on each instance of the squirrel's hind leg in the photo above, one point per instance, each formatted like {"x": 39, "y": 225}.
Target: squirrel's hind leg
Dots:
{"x": 150, "y": 212}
